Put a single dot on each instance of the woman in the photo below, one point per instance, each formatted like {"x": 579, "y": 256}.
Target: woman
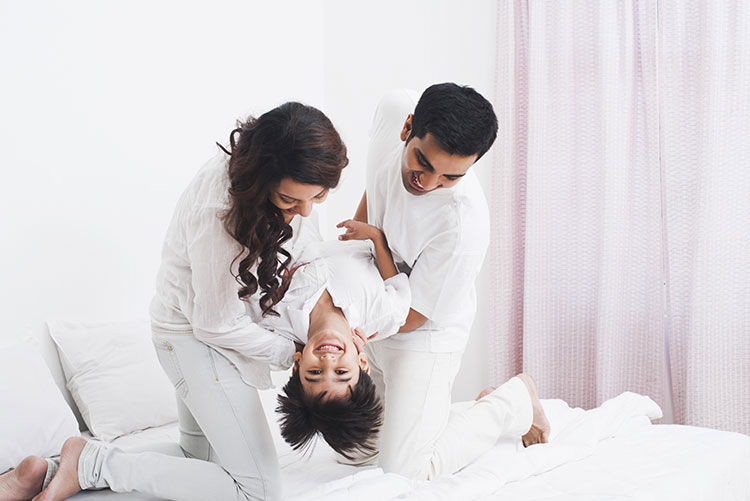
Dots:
{"x": 228, "y": 247}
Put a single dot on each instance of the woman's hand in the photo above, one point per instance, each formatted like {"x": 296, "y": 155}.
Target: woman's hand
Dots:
{"x": 360, "y": 340}
{"x": 357, "y": 230}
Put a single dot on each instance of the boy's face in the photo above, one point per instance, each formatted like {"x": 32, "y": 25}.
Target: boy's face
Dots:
{"x": 426, "y": 166}
{"x": 330, "y": 362}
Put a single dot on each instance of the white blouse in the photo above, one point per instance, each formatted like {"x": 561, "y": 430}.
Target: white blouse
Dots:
{"x": 195, "y": 288}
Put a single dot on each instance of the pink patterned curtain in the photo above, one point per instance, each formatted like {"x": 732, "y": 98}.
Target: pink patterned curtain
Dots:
{"x": 705, "y": 116}
{"x": 576, "y": 254}
{"x": 623, "y": 162}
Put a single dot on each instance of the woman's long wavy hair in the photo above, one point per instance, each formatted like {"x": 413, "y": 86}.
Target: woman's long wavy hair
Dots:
{"x": 291, "y": 141}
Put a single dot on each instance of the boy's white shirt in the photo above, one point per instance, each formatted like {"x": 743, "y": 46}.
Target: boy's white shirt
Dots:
{"x": 349, "y": 272}
{"x": 439, "y": 239}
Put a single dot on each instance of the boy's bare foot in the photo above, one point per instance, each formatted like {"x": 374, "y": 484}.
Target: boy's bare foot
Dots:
{"x": 485, "y": 392}
{"x": 65, "y": 482}
{"x": 25, "y": 481}
{"x": 540, "y": 428}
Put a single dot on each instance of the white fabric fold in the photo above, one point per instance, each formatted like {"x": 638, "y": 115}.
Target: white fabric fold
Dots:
{"x": 575, "y": 435}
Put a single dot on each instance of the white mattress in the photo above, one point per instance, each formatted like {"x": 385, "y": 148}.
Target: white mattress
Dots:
{"x": 609, "y": 453}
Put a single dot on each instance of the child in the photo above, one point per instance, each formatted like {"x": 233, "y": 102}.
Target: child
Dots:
{"x": 339, "y": 286}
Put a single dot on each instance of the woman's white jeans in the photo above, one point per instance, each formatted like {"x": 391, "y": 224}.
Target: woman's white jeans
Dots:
{"x": 423, "y": 436}
{"x": 228, "y": 452}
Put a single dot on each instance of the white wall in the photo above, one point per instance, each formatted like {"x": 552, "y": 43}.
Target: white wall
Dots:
{"x": 109, "y": 108}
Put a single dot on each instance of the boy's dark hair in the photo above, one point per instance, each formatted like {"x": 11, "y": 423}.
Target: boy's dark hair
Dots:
{"x": 458, "y": 117}
{"x": 348, "y": 424}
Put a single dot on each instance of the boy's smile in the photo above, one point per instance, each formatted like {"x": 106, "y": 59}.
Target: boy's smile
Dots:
{"x": 330, "y": 362}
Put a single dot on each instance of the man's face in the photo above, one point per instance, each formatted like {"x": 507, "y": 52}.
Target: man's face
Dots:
{"x": 426, "y": 166}
{"x": 330, "y": 362}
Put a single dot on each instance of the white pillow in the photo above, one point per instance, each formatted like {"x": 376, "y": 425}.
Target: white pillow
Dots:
{"x": 34, "y": 420}
{"x": 114, "y": 376}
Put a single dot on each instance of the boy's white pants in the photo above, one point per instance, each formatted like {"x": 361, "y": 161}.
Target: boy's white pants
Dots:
{"x": 227, "y": 449}
{"x": 422, "y": 438}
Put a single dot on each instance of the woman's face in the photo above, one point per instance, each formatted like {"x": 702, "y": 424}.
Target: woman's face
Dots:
{"x": 296, "y": 198}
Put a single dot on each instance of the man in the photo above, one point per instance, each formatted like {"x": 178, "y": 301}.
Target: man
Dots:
{"x": 421, "y": 193}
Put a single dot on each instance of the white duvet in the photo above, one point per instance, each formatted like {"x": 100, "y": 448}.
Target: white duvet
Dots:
{"x": 575, "y": 434}
{"x": 612, "y": 452}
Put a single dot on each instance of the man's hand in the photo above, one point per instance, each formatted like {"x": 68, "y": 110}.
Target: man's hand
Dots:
{"x": 357, "y": 230}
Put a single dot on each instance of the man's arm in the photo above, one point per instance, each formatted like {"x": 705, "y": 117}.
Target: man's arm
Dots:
{"x": 361, "y": 213}
{"x": 414, "y": 321}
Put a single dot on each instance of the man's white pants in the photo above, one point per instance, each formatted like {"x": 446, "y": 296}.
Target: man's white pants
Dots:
{"x": 227, "y": 450}
{"x": 422, "y": 438}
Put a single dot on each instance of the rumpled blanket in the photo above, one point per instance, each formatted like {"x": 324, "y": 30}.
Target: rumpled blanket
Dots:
{"x": 575, "y": 435}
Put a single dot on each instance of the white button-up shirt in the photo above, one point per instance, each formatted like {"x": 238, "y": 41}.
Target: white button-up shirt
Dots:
{"x": 349, "y": 272}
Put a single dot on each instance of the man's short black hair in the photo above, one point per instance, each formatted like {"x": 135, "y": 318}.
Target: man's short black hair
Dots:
{"x": 348, "y": 425}
{"x": 458, "y": 117}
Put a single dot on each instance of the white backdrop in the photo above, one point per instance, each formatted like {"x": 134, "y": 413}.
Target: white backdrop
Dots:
{"x": 108, "y": 109}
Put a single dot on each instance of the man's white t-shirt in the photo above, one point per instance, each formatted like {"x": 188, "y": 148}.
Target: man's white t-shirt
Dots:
{"x": 439, "y": 239}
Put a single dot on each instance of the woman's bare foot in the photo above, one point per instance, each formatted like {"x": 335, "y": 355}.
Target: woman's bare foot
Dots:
{"x": 25, "y": 481}
{"x": 540, "y": 428}
{"x": 485, "y": 392}
{"x": 65, "y": 482}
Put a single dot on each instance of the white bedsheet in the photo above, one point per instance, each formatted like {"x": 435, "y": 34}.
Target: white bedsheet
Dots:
{"x": 612, "y": 452}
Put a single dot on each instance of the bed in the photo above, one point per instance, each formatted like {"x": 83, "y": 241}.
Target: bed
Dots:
{"x": 613, "y": 452}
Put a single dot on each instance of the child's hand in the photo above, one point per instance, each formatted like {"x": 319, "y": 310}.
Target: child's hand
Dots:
{"x": 357, "y": 230}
